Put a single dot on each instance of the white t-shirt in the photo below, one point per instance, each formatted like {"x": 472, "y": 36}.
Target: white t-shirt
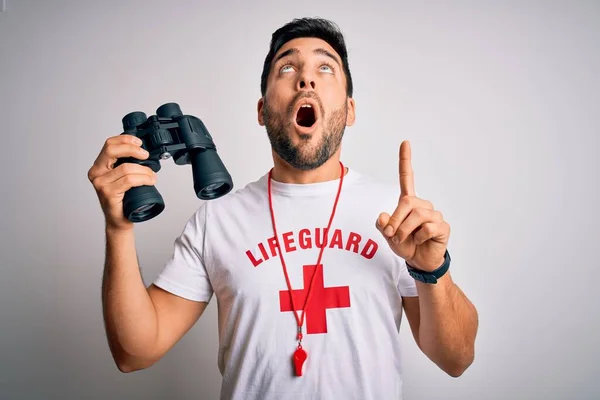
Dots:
{"x": 351, "y": 326}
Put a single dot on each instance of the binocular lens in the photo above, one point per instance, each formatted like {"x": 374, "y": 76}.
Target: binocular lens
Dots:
{"x": 144, "y": 213}
{"x": 214, "y": 190}
{"x": 142, "y": 203}
{"x": 211, "y": 179}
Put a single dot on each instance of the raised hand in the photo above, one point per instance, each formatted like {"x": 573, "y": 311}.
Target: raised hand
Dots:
{"x": 415, "y": 231}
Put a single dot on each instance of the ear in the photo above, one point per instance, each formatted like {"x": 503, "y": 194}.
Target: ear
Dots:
{"x": 259, "y": 110}
{"x": 351, "y": 112}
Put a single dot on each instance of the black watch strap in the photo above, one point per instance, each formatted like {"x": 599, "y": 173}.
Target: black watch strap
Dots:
{"x": 430, "y": 276}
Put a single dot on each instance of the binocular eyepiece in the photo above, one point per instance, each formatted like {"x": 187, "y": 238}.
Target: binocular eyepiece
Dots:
{"x": 168, "y": 134}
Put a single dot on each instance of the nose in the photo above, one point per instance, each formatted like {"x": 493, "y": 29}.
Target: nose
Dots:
{"x": 306, "y": 84}
{"x": 306, "y": 81}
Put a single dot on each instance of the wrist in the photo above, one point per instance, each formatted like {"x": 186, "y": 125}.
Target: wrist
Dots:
{"x": 426, "y": 269}
{"x": 431, "y": 276}
{"x": 112, "y": 230}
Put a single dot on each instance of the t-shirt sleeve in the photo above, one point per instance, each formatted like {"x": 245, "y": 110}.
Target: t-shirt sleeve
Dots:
{"x": 185, "y": 273}
{"x": 406, "y": 284}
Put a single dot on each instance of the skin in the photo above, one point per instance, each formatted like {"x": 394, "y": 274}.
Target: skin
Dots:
{"x": 443, "y": 320}
{"x": 298, "y": 75}
{"x": 143, "y": 323}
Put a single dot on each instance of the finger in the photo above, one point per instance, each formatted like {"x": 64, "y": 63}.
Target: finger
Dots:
{"x": 382, "y": 222}
{"x": 123, "y": 138}
{"x": 431, "y": 231}
{"x": 122, "y": 170}
{"x": 416, "y": 218}
{"x": 407, "y": 185}
{"x": 405, "y": 206}
{"x": 114, "y": 151}
{"x": 114, "y": 148}
{"x": 125, "y": 183}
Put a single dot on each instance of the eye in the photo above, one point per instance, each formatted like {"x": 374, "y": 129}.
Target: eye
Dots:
{"x": 283, "y": 69}
{"x": 327, "y": 68}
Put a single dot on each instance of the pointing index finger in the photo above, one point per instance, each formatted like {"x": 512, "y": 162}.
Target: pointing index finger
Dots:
{"x": 407, "y": 183}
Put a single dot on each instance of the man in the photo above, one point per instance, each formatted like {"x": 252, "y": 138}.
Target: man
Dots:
{"x": 310, "y": 273}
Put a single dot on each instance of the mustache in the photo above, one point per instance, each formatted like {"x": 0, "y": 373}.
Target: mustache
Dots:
{"x": 305, "y": 95}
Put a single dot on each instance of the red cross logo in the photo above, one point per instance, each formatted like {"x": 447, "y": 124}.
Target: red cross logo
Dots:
{"x": 321, "y": 299}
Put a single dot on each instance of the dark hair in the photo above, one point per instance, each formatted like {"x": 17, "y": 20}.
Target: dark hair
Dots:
{"x": 307, "y": 27}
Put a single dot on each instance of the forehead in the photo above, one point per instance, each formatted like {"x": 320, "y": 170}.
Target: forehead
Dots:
{"x": 305, "y": 47}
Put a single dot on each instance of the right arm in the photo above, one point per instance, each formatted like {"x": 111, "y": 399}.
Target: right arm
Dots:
{"x": 141, "y": 323}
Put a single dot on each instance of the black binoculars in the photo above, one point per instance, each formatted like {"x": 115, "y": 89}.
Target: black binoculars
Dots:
{"x": 168, "y": 134}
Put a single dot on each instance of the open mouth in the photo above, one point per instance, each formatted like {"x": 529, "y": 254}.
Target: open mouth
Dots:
{"x": 306, "y": 115}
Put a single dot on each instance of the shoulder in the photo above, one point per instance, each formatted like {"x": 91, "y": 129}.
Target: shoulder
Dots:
{"x": 228, "y": 210}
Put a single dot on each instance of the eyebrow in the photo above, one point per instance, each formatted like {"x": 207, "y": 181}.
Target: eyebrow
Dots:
{"x": 319, "y": 51}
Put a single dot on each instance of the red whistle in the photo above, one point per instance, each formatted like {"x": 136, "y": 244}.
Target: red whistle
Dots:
{"x": 299, "y": 358}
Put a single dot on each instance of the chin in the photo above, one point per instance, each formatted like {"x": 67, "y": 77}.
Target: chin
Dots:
{"x": 306, "y": 134}
{"x": 308, "y": 156}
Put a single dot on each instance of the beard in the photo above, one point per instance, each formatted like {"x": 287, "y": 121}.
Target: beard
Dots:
{"x": 306, "y": 155}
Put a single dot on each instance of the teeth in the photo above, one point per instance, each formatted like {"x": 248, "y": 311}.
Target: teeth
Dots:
{"x": 306, "y": 106}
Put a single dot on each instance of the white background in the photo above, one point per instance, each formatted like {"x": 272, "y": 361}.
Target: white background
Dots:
{"x": 500, "y": 101}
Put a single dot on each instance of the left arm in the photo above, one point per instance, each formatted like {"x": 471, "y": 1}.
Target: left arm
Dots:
{"x": 443, "y": 321}
{"x": 444, "y": 324}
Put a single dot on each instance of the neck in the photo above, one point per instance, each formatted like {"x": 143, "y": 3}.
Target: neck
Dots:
{"x": 284, "y": 172}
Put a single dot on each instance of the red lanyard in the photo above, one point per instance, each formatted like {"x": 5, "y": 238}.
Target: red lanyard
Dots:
{"x": 300, "y": 354}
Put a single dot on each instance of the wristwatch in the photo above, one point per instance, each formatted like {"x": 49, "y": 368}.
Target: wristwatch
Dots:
{"x": 430, "y": 276}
